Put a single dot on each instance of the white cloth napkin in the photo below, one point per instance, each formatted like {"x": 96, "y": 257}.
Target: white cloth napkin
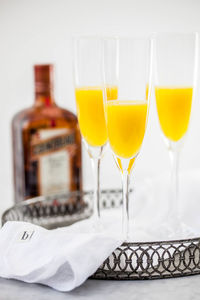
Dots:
{"x": 62, "y": 258}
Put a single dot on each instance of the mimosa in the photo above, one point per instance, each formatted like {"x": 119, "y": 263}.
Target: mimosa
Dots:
{"x": 126, "y": 122}
{"x": 91, "y": 116}
{"x": 174, "y": 107}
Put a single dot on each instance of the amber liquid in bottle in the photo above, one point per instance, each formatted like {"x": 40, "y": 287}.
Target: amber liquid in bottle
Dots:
{"x": 46, "y": 144}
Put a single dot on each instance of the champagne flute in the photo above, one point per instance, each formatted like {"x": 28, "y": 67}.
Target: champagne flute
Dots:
{"x": 90, "y": 108}
{"x": 126, "y": 117}
{"x": 175, "y": 78}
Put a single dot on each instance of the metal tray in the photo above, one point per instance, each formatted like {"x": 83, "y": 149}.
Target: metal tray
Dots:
{"x": 147, "y": 260}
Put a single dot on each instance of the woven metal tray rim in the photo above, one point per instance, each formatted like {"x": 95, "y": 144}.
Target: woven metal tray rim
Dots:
{"x": 103, "y": 192}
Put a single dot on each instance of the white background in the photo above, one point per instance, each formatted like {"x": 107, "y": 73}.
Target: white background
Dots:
{"x": 40, "y": 31}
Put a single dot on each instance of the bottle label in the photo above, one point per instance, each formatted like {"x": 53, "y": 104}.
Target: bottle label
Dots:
{"x": 52, "y": 148}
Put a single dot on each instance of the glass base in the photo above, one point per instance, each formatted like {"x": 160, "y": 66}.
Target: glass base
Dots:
{"x": 176, "y": 229}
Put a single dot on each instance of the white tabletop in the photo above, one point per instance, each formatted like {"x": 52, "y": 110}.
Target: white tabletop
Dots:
{"x": 184, "y": 288}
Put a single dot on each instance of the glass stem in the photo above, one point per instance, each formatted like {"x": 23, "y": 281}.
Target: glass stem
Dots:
{"x": 96, "y": 174}
{"x": 125, "y": 213}
{"x": 174, "y": 208}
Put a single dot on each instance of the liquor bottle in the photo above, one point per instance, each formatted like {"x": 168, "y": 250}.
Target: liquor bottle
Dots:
{"x": 46, "y": 144}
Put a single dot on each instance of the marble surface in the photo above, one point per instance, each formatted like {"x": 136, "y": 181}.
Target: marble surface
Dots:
{"x": 184, "y": 288}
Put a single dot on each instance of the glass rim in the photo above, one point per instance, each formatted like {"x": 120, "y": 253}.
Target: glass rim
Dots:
{"x": 113, "y": 37}
{"x": 86, "y": 37}
{"x": 172, "y": 34}
{"x": 143, "y": 36}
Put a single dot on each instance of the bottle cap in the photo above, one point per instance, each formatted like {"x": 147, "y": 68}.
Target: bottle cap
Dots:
{"x": 43, "y": 78}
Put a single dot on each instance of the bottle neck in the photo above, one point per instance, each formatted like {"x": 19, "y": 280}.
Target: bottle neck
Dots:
{"x": 44, "y": 99}
{"x": 44, "y": 85}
